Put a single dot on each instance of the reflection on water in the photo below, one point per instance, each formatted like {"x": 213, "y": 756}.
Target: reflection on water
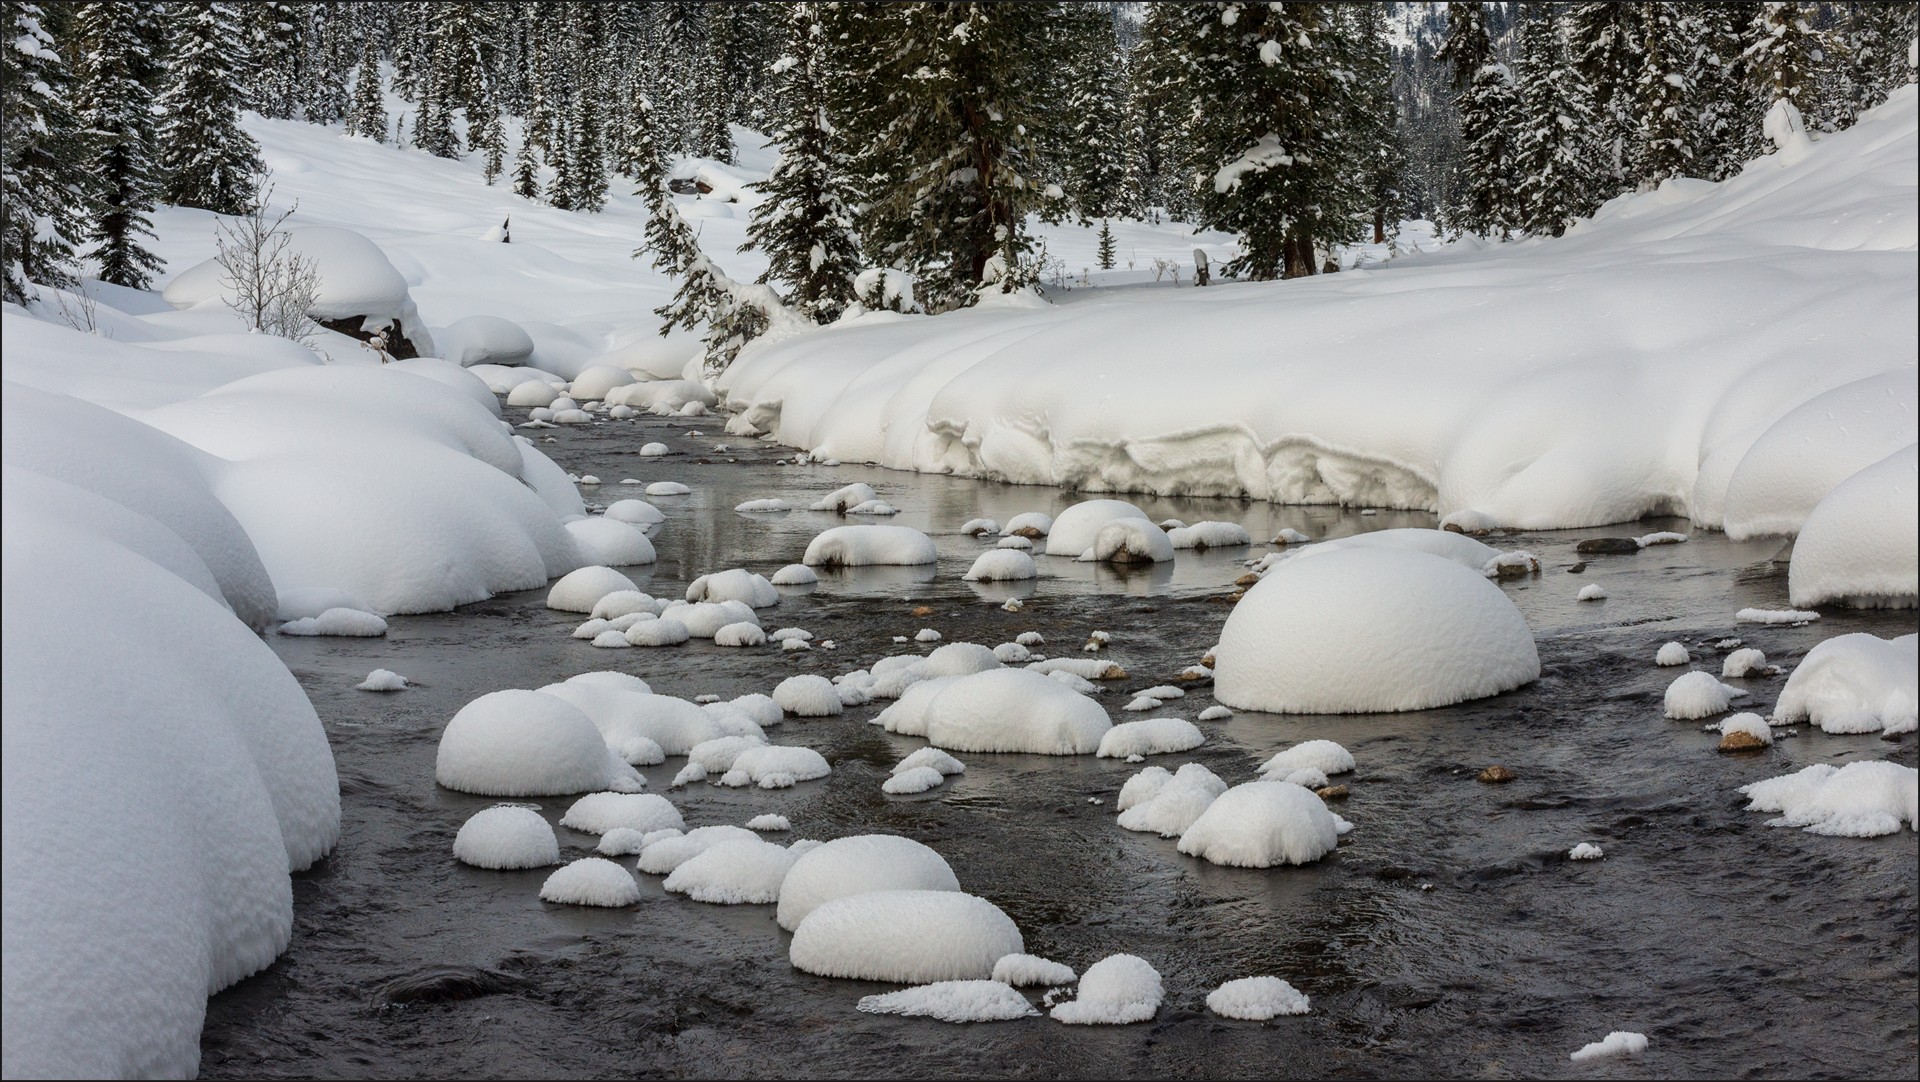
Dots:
{"x": 1448, "y": 934}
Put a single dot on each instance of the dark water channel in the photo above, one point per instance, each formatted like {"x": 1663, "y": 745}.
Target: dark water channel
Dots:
{"x": 1448, "y": 936}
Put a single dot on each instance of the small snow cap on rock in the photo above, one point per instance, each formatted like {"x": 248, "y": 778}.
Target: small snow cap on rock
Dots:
{"x": 597, "y": 813}
{"x": 1672, "y": 653}
{"x": 1261, "y": 824}
{"x": 1116, "y": 990}
{"x": 1617, "y": 1043}
{"x": 1256, "y": 999}
{"x": 382, "y": 680}
{"x": 953, "y": 1001}
{"x": 862, "y": 546}
{"x": 591, "y": 881}
{"x": 1697, "y": 695}
{"x": 808, "y": 696}
{"x": 506, "y": 836}
{"x": 1030, "y": 971}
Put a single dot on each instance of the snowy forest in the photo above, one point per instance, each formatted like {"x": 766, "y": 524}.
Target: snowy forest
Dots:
{"x": 1000, "y": 539}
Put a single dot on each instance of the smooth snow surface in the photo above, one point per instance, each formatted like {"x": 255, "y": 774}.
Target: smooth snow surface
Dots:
{"x": 591, "y": 881}
{"x": 953, "y": 1001}
{"x": 1608, "y": 383}
{"x": 483, "y": 339}
{"x": 861, "y": 546}
{"x": 1697, "y": 695}
{"x": 1855, "y": 548}
{"x": 1002, "y": 565}
{"x": 1256, "y": 999}
{"x": 740, "y": 872}
{"x": 1116, "y": 990}
{"x": 1855, "y": 684}
{"x": 1028, "y": 971}
{"x": 1153, "y": 736}
{"x": 1858, "y": 800}
{"x": 858, "y": 865}
{"x": 1364, "y": 630}
{"x": 597, "y": 813}
{"x": 506, "y": 836}
{"x": 1014, "y": 710}
{"x": 1261, "y": 824}
{"x": 1818, "y": 445}
{"x": 910, "y": 936}
{"x": 638, "y": 512}
{"x": 526, "y": 743}
{"x": 582, "y": 589}
{"x": 1617, "y": 1043}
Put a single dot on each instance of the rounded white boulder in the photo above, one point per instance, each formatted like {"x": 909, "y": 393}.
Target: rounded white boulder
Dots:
{"x": 581, "y": 589}
{"x": 1077, "y": 527}
{"x": 525, "y": 743}
{"x": 909, "y": 936}
{"x": 1363, "y": 630}
{"x": 1261, "y": 824}
{"x": 506, "y": 837}
{"x": 858, "y": 865}
{"x": 591, "y": 881}
{"x": 1014, "y": 710}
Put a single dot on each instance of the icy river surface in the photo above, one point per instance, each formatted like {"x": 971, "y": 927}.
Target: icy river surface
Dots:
{"x": 1449, "y": 935}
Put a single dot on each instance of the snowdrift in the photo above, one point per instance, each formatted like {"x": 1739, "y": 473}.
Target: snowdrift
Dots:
{"x": 1629, "y": 368}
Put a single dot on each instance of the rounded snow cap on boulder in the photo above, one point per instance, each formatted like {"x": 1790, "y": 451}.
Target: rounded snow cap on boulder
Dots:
{"x": 637, "y": 512}
{"x": 1116, "y": 990}
{"x": 355, "y": 277}
{"x": 908, "y": 936}
{"x": 591, "y": 881}
{"x": 860, "y": 546}
{"x": 1078, "y": 526}
{"x": 1851, "y": 551}
{"x": 597, "y": 813}
{"x": 744, "y": 871}
{"x": 737, "y": 584}
{"x": 581, "y": 589}
{"x": 1014, "y": 710}
{"x": 611, "y": 541}
{"x": 859, "y": 865}
{"x": 594, "y": 382}
{"x": 1129, "y": 541}
{"x": 1371, "y": 630}
{"x": 506, "y": 836}
{"x": 1263, "y": 823}
{"x": 1856, "y": 683}
{"x": 473, "y": 340}
{"x": 808, "y": 696}
{"x": 527, "y": 743}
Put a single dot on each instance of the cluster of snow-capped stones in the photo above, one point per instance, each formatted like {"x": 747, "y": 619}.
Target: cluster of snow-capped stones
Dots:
{"x": 1276, "y": 820}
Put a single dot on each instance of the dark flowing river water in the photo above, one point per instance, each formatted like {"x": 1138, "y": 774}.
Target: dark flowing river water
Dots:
{"x": 1449, "y": 935}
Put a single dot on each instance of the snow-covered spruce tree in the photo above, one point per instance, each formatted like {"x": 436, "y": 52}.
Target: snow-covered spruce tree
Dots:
{"x": 1106, "y": 250}
{"x": 804, "y": 226}
{"x": 493, "y": 142}
{"x": 1156, "y": 106}
{"x": 526, "y": 170}
{"x": 42, "y": 179}
{"x": 1280, "y": 138}
{"x": 1726, "y": 110}
{"x": 1488, "y": 103}
{"x": 332, "y": 49}
{"x": 207, "y": 159}
{"x": 683, "y": 39}
{"x": 959, "y": 101}
{"x": 433, "y": 129}
{"x": 275, "y": 53}
{"x": 561, "y": 192}
{"x": 1669, "y": 45}
{"x": 1551, "y": 150}
{"x": 407, "y": 45}
{"x": 368, "y": 114}
{"x": 1091, "y": 132}
{"x": 114, "y": 100}
{"x": 1782, "y": 58}
{"x": 586, "y": 170}
{"x": 710, "y": 135}
{"x": 1606, "y": 37}
{"x": 1378, "y": 148}
{"x": 1877, "y": 39}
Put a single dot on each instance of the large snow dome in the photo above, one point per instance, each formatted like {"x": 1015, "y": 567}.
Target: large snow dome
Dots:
{"x": 859, "y": 865}
{"x": 1078, "y": 526}
{"x": 1371, "y": 630}
{"x": 1860, "y": 545}
{"x": 911, "y": 936}
{"x": 1014, "y": 710}
{"x": 526, "y": 743}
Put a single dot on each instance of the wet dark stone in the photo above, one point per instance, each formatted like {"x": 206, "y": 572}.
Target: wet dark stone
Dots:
{"x": 444, "y": 984}
{"x": 1607, "y": 546}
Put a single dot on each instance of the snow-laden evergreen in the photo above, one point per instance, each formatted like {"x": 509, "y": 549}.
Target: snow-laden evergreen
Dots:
{"x": 118, "y": 73}
{"x": 208, "y": 159}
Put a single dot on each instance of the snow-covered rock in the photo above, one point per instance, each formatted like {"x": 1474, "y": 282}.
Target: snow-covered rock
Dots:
{"x": 1209, "y": 535}
{"x": 776, "y": 767}
{"x": 594, "y": 881}
{"x": 1029, "y": 524}
{"x": 859, "y": 864}
{"x": 1079, "y": 526}
{"x": 611, "y": 542}
{"x": 1256, "y": 999}
{"x": 1672, "y": 653}
{"x": 597, "y": 813}
{"x": 1156, "y": 802}
{"x": 483, "y": 339}
{"x": 1698, "y": 695}
{"x": 763, "y": 506}
{"x": 344, "y": 623}
{"x": 1618, "y": 1043}
{"x": 1858, "y": 800}
{"x": 1389, "y": 630}
{"x": 595, "y": 382}
{"x": 910, "y": 936}
{"x": 580, "y": 590}
{"x": 808, "y": 696}
{"x": 1002, "y": 565}
{"x": 637, "y": 512}
{"x": 1014, "y": 710}
{"x": 1152, "y": 736}
{"x": 739, "y": 872}
{"x": 1586, "y": 851}
{"x": 382, "y": 680}
{"x": 506, "y": 836}
{"x": 1117, "y": 990}
{"x": 526, "y": 743}
{"x": 1261, "y": 824}
{"x": 1743, "y": 662}
{"x": 840, "y": 499}
{"x": 734, "y": 585}
{"x": 667, "y": 852}
{"x": 1856, "y": 683}
{"x": 860, "y": 546}
{"x": 1851, "y": 550}
{"x": 953, "y": 1001}
{"x": 1029, "y": 971}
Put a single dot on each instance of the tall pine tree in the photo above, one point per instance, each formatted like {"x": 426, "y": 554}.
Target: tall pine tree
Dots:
{"x": 207, "y": 159}
{"x": 368, "y": 114}
{"x": 1488, "y": 104}
{"x": 1551, "y": 150}
{"x": 117, "y": 75}
{"x": 42, "y": 186}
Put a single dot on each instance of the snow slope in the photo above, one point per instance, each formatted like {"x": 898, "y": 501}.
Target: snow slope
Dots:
{"x": 1619, "y": 371}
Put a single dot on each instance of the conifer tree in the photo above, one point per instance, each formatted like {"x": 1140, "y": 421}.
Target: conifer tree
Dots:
{"x": 586, "y": 157}
{"x": 804, "y": 226}
{"x": 492, "y": 143}
{"x": 117, "y": 72}
{"x": 1488, "y": 103}
{"x": 1782, "y": 56}
{"x": 1608, "y": 36}
{"x": 526, "y": 171}
{"x": 44, "y": 187}
{"x": 1727, "y": 131}
{"x": 1665, "y": 94}
{"x": 368, "y": 116}
{"x": 1091, "y": 132}
{"x": 1551, "y": 152}
{"x": 710, "y": 109}
{"x": 330, "y": 56}
{"x": 207, "y": 159}
{"x": 433, "y": 128}
{"x": 275, "y": 54}
{"x": 1106, "y": 249}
